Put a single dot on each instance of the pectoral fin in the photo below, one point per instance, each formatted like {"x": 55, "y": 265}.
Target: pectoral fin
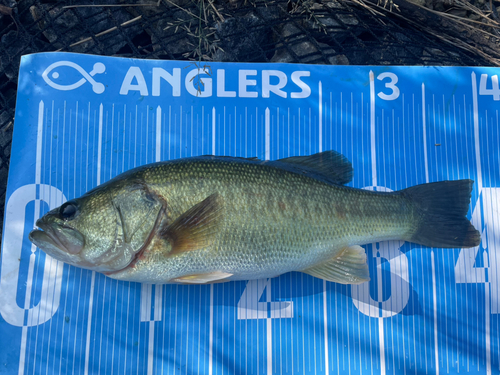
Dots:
{"x": 204, "y": 278}
{"x": 349, "y": 267}
{"x": 195, "y": 228}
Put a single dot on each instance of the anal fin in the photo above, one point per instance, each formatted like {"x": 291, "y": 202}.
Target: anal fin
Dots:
{"x": 204, "y": 278}
{"x": 349, "y": 267}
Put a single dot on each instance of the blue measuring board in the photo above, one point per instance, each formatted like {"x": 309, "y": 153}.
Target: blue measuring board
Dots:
{"x": 82, "y": 119}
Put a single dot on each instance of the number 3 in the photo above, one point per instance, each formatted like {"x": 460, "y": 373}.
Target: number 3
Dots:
{"x": 390, "y": 85}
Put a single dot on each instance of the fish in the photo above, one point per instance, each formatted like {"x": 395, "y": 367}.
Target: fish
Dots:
{"x": 211, "y": 219}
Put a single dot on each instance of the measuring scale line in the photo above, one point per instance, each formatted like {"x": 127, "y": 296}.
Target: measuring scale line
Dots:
{"x": 480, "y": 189}
{"x": 320, "y": 149}
{"x": 147, "y": 293}
{"x": 31, "y": 266}
{"x": 92, "y": 281}
{"x": 433, "y": 268}
{"x": 374, "y": 183}
{"x": 320, "y": 117}
{"x": 269, "y": 333}
{"x": 211, "y": 318}
{"x": 377, "y": 174}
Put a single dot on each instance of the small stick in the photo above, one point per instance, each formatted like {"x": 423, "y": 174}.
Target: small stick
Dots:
{"x": 5, "y": 10}
{"x": 103, "y": 32}
{"x": 111, "y": 5}
{"x": 216, "y": 11}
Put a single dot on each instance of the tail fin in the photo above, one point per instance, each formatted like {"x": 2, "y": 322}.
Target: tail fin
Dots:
{"x": 441, "y": 208}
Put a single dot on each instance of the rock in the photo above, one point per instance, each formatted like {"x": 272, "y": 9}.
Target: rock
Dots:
{"x": 458, "y": 12}
{"x": 4, "y": 172}
{"x": 332, "y": 4}
{"x": 296, "y": 43}
{"x": 7, "y": 64}
{"x": 418, "y": 2}
{"x": 242, "y": 39}
{"x": 14, "y": 44}
{"x": 290, "y": 30}
{"x": 347, "y": 19}
{"x": 474, "y": 17}
{"x": 299, "y": 48}
{"x": 402, "y": 37}
{"x": 304, "y": 49}
{"x": 6, "y": 150}
{"x": 338, "y": 60}
{"x": 282, "y": 56}
{"x": 153, "y": 10}
{"x": 332, "y": 56}
{"x": 5, "y": 137}
{"x": 5, "y": 119}
{"x": 271, "y": 12}
{"x": 2, "y": 203}
{"x": 170, "y": 38}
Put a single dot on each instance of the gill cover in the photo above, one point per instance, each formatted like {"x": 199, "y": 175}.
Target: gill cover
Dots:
{"x": 137, "y": 212}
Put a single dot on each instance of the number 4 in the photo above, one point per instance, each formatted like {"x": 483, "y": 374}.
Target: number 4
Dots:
{"x": 487, "y": 221}
{"x": 250, "y": 307}
{"x": 494, "y": 91}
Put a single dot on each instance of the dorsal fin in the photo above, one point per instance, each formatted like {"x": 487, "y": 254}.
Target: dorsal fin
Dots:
{"x": 329, "y": 164}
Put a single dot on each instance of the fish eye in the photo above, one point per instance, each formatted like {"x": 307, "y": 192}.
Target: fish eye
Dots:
{"x": 68, "y": 210}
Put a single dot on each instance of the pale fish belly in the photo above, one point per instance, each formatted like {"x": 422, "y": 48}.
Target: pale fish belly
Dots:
{"x": 161, "y": 269}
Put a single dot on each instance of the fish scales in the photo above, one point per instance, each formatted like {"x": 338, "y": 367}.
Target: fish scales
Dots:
{"x": 275, "y": 220}
{"x": 214, "y": 219}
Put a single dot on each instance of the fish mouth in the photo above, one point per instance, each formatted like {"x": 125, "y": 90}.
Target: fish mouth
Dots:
{"x": 57, "y": 239}
{"x": 63, "y": 243}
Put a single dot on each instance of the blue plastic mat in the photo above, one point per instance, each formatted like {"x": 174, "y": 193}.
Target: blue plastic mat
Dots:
{"x": 81, "y": 120}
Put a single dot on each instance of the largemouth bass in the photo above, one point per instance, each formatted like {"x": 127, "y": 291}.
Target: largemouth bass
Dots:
{"x": 214, "y": 219}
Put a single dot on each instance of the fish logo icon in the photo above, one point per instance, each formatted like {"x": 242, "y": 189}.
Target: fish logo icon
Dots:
{"x": 97, "y": 87}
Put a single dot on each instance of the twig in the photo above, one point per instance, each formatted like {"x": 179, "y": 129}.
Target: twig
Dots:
{"x": 185, "y": 10}
{"x": 103, "y": 32}
{"x": 5, "y": 10}
{"x": 475, "y": 10}
{"x": 459, "y": 43}
{"x": 451, "y": 40}
{"x": 111, "y": 5}
{"x": 369, "y": 8}
{"x": 215, "y": 10}
{"x": 6, "y": 127}
{"x": 8, "y": 12}
{"x": 463, "y": 19}
{"x": 460, "y": 20}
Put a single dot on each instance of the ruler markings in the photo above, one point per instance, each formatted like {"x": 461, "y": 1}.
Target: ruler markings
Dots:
{"x": 272, "y": 134}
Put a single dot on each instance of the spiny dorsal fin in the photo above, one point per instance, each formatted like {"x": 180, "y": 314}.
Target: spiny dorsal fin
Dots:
{"x": 329, "y": 164}
{"x": 349, "y": 267}
{"x": 195, "y": 228}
